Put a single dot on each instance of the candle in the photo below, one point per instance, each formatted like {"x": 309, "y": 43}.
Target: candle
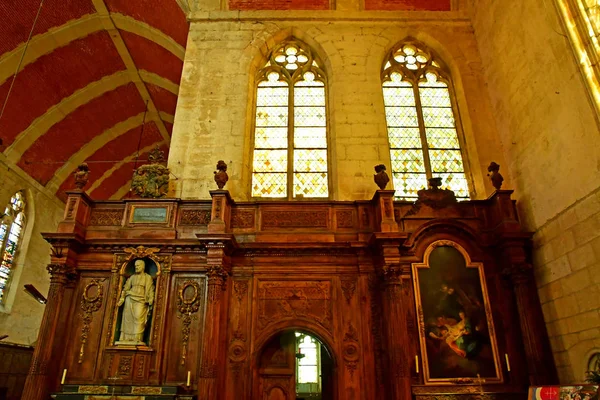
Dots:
{"x": 417, "y": 364}
{"x": 507, "y": 362}
{"x": 188, "y": 379}
{"x": 62, "y": 381}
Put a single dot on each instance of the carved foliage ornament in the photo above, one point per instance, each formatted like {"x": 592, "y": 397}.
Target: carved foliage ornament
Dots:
{"x": 91, "y": 302}
{"x": 106, "y": 217}
{"x": 350, "y": 350}
{"x": 295, "y": 219}
{"x": 242, "y": 219}
{"x": 348, "y": 288}
{"x": 151, "y": 180}
{"x": 187, "y": 307}
{"x": 310, "y": 300}
{"x": 194, "y": 217}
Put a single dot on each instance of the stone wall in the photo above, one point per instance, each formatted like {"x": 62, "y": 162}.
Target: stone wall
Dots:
{"x": 550, "y": 134}
{"x": 21, "y": 315}
{"x": 225, "y": 49}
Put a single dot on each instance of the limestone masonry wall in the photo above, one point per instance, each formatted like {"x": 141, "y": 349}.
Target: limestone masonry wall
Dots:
{"x": 225, "y": 49}
{"x": 21, "y": 315}
{"x": 550, "y": 135}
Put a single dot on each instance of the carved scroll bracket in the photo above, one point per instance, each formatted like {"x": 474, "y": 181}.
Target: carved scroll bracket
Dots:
{"x": 187, "y": 307}
{"x": 91, "y": 301}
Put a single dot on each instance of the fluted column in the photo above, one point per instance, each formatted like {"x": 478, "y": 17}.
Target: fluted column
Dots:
{"x": 396, "y": 332}
{"x": 540, "y": 364}
{"x": 37, "y": 383}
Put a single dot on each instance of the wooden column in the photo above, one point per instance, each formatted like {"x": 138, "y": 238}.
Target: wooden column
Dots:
{"x": 43, "y": 367}
{"x": 394, "y": 308}
{"x": 396, "y": 333}
{"x": 540, "y": 363}
{"x": 211, "y": 382}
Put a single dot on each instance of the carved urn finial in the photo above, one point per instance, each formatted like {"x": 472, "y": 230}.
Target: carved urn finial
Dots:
{"x": 495, "y": 176}
{"x": 435, "y": 183}
{"x": 221, "y": 176}
{"x": 81, "y": 175}
{"x": 381, "y": 177}
{"x": 152, "y": 180}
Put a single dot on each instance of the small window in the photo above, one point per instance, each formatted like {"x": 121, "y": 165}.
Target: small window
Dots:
{"x": 11, "y": 231}
{"x": 421, "y": 121}
{"x": 290, "y": 128}
{"x": 308, "y": 365}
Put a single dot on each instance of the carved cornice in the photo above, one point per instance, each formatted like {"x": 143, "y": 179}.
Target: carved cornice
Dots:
{"x": 192, "y": 247}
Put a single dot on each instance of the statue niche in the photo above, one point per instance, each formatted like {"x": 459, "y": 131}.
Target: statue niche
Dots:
{"x": 135, "y": 303}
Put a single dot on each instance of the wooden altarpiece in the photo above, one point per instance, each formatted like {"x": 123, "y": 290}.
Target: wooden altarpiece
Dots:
{"x": 232, "y": 277}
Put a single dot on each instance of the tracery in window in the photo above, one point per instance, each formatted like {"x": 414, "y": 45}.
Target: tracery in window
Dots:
{"x": 421, "y": 122}
{"x": 11, "y": 230}
{"x": 290, "y": 131}
{"x": 308, "y": 365}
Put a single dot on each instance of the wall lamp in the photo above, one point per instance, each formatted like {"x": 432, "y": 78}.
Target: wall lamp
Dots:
{"x": 33, "y": 292}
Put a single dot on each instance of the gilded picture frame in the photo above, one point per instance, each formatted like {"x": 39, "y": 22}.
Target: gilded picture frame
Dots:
{"x": 456, "y": 330}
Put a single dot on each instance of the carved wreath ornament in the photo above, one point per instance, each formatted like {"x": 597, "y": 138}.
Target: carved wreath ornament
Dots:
{"x": 89, "y": 305}
{"x": 187, "y": 307}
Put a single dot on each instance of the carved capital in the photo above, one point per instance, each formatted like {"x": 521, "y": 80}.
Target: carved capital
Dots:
{"x": 217, "y": 278}
{"x": 519, "y": 274}
{"x": 60, "y": 272}
{"x": 392, "y": 274}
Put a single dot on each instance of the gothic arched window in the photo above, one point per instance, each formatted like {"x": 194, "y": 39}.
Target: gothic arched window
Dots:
{"x": 421, "y": 121}
{"x": 582, "y": 22}
{"x": 11, "y": 231}
{"x": 290, "y": 127}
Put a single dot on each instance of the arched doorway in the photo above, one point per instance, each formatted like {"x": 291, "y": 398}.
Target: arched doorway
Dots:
{"x": 294, "y": 365}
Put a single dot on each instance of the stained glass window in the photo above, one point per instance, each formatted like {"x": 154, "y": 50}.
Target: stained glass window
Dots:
{"x": 290, "y": 128}
{"x": 11, "y": 229}
{"x": 308, "y": 366}
{"x": 421, "y": 121}
{"x": 582, "y": 22}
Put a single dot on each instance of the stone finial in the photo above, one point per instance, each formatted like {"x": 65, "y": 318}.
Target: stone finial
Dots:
{"x": 381, "y": 178}
{"x": 81, "y": 175}
{"x": 221, "y": 176}
{"x": 495, "y": 176}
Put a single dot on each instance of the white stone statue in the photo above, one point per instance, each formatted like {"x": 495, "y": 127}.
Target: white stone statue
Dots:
{"x": 137, "y": 296}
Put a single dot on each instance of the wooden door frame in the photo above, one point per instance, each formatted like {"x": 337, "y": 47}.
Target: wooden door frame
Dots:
{"x": 280, "y": 327}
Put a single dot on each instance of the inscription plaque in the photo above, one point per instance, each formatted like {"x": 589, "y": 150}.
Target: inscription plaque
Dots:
{"x": 149, "y": 215}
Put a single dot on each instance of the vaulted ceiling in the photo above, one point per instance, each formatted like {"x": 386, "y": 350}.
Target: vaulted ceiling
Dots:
{"x": 91, "y": 70}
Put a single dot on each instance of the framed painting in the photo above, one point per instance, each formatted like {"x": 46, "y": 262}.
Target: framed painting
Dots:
{"x": 457, "y": 337}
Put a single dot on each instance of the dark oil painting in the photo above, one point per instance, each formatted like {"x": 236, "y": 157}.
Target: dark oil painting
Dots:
{"x": 457, "y": 338}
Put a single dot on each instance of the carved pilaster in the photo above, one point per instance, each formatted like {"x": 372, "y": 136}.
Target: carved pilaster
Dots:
{"x": 384, "y": 206}
{"x": 540, "y": 364}
{"x": 396, "y": 332}
{"x": 38, "y": 384}
{"x": 214, "y": 349}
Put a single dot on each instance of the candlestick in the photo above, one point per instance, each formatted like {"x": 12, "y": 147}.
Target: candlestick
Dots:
{"x": 417, "y": 364}
{"x": 507, "y": 362}
{"x": 188, "y": 379}
{"x": 62, "y": 381}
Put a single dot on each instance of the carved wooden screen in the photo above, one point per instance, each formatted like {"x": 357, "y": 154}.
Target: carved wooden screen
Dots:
{"x": 421, "y": 121}
{"x": 290, "y": 132}
{"x": 11, "y": 231}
